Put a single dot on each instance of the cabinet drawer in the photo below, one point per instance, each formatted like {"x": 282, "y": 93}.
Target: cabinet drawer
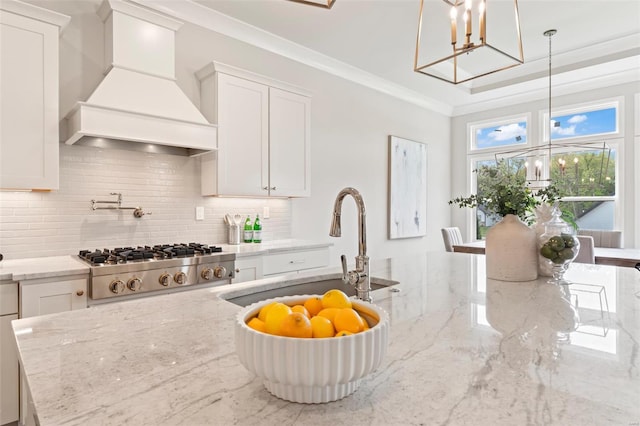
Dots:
{"x": 295, "y": 261}
{"x": 8, "y": 298}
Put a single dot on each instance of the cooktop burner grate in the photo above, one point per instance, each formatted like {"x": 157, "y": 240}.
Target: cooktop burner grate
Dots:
{"x": 145, "y": 253}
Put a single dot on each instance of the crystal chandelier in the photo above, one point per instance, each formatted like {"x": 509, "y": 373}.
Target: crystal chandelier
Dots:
{"x": 484, "y": 38}
{"x": 537, "y": 161}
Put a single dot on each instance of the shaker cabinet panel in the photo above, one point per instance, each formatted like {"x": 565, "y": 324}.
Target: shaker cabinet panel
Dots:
{"x": 9, "y": 374}
{"x": 52, "y": 297}
{"x": 263, "y": 135}
{"x": 243, "y": 136}
{"x": 29, "y": 102}
{"x": 289, "y": 143}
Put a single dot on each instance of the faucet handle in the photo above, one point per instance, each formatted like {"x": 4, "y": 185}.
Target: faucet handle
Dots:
{"x": 345, "y": 273}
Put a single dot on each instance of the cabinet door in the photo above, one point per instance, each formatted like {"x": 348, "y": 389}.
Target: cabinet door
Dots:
{"x": 248, "y": 269}
{"x": 29, "y": 103}
{"x": 289, "y": 144}
{"x": 243, "y": 132}
{"x": 8, "y": 371}
{"x": 52, "y": 297}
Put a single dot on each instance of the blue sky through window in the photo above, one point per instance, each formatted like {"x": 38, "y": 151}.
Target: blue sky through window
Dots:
{"x": 503, "y": 135}
{"x": 584, "y": 124}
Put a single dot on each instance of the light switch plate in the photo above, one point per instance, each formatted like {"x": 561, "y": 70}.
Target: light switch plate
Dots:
{"x": 199, "y": 213}
{"x": 265, "y": 212}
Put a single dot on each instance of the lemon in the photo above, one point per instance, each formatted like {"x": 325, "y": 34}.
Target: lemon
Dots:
{"x": 262, "y": 315}
{"x": 335, "y": 299}
{"x": 313, "y": 305}
{"x": 347, "y": 319}
{"x": 257, "y": 324}
{"x": 301, "y": 309}
{"x": 321, "y": 327}
{"x": 275, "y": 318}
{"x": 329, "y": 313}
{"x": 296, "y": 324}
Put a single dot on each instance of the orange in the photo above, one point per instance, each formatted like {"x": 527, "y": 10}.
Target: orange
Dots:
{"x": 322, "y": 327}
{"x": 275, "y": 317}
{"x": 335, "y": 299}
{"x": 296, "y": 324}
{"x": 257, "y": 324}
{"x": 328, "y": 313}
{"x": 262, "y": 315}
{"x": 313, "y": 305}
{"x": 343, "y": 333}
{"x": 347, "y": 319}
{"x": 301, "y": 309}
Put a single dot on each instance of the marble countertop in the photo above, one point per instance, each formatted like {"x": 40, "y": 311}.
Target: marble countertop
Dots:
{"x": 268, "y": 247}
{"x": 55, "y": 266}
{"x": 462, "y": 351}
{"x": 41, "y": 267}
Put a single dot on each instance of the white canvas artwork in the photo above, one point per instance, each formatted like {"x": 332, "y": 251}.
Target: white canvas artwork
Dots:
{"x": 407, "y": 188}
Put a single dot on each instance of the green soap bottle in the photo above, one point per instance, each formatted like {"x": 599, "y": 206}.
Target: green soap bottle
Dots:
{"x": 248, "y": 230}
{"x": 257, "y": 230}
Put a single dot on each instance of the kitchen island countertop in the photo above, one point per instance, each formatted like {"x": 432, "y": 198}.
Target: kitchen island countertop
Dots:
{"x": 41, "y": 267}
{"x": 462, "y": 350}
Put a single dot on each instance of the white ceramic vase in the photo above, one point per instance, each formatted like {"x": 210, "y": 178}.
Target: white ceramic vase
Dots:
{"x": 511, "y": 251}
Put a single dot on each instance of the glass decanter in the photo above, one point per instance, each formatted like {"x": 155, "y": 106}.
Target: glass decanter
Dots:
{"x": 558, "y": 246}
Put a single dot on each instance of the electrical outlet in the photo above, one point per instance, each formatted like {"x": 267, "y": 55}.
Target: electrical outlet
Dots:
{"x": 265, "y": 212}
{"x": 199, "y": 213}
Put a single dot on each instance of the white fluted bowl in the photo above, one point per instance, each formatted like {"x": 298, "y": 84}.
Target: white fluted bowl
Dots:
{"x": 312, "y": 370}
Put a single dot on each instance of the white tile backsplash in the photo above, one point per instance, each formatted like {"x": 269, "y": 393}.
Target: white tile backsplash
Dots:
{"x": 34, "y": 224}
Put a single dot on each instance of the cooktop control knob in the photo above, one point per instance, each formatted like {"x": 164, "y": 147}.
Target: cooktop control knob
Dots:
{"x": 116, "y": 286}
{"x": 180, "y": 278}
{"x": 134, "y": 284}
{"x": 207, "y": 274}
{"x": 165, "y": 279}
{"x": 219, "y": 271}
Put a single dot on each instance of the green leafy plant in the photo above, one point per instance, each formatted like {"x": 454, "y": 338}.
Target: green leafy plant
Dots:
{"x": 503, "y": 190}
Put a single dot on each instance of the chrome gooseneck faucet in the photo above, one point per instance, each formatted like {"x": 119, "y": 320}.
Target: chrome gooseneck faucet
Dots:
{"x": 359, "y": 278}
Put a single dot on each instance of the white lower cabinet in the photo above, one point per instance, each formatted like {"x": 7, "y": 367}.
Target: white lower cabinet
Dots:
{"x": 268, "y": 265}
{"x": 9, "y": 375}
{"x": 42, "y": 297}
{"x": 248, "y": 269}
{"x": 294, "y": 261}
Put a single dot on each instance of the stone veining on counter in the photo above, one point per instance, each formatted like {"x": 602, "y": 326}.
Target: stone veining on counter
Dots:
{"x": 462, "y": 351}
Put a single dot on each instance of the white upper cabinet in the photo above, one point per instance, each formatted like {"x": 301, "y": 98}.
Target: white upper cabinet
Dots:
{"x": 29, "y": 96}
{"x": 263, "y": 135}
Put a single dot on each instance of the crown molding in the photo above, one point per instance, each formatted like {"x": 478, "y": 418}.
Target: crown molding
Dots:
{"x": 210, "y": 19}
{"x": 564, "y": 84}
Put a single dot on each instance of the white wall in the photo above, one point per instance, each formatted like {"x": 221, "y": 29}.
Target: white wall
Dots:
{"x": 350, "y": 129}
{"x": 629, "y": 219}
{"x": 349, "y": 143}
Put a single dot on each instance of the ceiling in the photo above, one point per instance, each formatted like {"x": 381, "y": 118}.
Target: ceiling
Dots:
{"x": 373, "y": 43}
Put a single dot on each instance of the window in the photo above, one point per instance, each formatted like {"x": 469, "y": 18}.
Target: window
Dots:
{"x": 583, "y": 122}
{"x": 588, "y": 180}
{"x": 510, "y": 132}
{"x": 586, "y": 174}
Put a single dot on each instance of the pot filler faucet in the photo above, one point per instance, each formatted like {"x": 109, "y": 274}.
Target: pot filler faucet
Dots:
{"x": 359, "y": 278}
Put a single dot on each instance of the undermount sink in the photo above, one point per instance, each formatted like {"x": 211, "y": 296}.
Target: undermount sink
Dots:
{"x": 319, "y": 286}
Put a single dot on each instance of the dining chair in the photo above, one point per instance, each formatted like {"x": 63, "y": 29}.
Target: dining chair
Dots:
{"x": 609, "y": 239}
{"x": 451, "y": 236}
{"x": 586, "y": 253}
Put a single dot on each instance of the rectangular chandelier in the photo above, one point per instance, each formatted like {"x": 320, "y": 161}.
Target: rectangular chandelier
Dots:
{"x": 327, "y": 4}
{"x": 459, "y": 40}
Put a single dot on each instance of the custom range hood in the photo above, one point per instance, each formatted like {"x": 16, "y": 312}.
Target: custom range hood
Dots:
{"x": 138, "y": 104}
